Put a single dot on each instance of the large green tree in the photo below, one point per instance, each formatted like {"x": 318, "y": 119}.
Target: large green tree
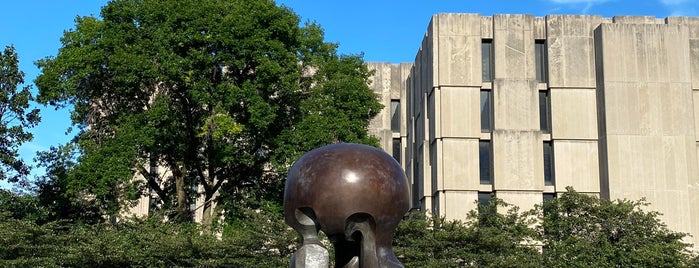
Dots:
{"x": 580, "y": 230}
{"x": 222, "y": 94}
{"x": 15, "y": 116}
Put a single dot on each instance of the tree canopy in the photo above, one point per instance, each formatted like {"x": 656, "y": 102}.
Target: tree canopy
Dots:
{"x": 488, "y": 238}
{"x": 577, "y": 231}
{"x": 580, "y": 230}
{"x": 222, "y": 94}
{"x": 15, "y": 117}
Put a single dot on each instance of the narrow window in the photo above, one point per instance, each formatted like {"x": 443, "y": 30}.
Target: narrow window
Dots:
{"x": 485, "y": 111}
{"x": 483, "y": 200}
{"x": 395, "y": 115}
{"x": 548, "y": 164}
{"x": 544, "y": 112}
{"x": 549, "y": 197}
{"x": 484, "y": 161}
{"x": 396, "y": 149}
{"x": 487, "y": 60}
{"x": 540, "y": 54}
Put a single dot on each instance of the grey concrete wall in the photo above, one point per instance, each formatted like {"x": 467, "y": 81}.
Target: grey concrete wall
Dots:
{"x": 624, "y": 101}
{"x": 649, "y": 128}
{"x": 572, "y": 86}
{"x": 516, "y": 138}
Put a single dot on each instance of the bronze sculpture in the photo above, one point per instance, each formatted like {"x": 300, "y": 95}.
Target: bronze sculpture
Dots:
{"x": 356, "y": 195}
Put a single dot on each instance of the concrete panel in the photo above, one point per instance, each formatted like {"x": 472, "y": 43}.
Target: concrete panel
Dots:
{"x": 539, "y": 28}
{"x": 457, "y": 204}
{"x": 694, "y": 56}
{"x": 693, "y": 190}
{"x": 487, "y": 27}
{"x": 692, "y": 23}
{"x": 576, "y": 164}
{"x": 695, "y": 99}
{"x": 459, "y": 112}
{"x": 573, "y": 113}
{"x": 518, "y": 160}
{"x": 458, "y": 24}
{"x": 648, "y": 108}
{"x": 438, "y": 202}
{"x": 622, "y": 108}
{"x": 460, "y": 60}
{"x": 404, "y": 100}
{"x": 396, "y": 81}
{"x": 427, "y": 204}
{"x": 514, "y": 46}
{"x": 459, "y": 49}
{"x": 380, "y": 83}
{"x": 430, "y": 61}
{"x": 516, "y": 104}
{"x": 524, "y": 200}
{"x": 385, "y": 138}
{"x": 677, "y": 109}
{"x": 435, "y": 166}
{"x": 425, "y": 171}
{"x": 634, "y": 19}
{"x": 571, "y": 54}
{"x": 423, "y": 67}
{"x": 657, "y": 168}
{"x": 676, "y": 46}
{"x": 460, "y": 170}
{"x": 645, "y": 53}
{"x": 433, "y": 105}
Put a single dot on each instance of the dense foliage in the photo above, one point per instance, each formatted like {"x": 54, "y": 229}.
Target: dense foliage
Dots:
{"x": 221, "y": 94}
{"x": 15, "y": 117}
{"x": 577, "y": 237}
{"x": 131, "y": 244}
{"x": 485, "y": 239}
{"x": 585, "y": 231}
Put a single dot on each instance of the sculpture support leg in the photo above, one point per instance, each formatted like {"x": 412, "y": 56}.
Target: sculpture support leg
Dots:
{"x": 361, "y": 228}
{"x": 311, "y": 254}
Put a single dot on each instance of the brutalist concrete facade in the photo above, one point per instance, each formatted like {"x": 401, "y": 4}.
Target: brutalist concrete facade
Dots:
{"x": 523, "y": 106}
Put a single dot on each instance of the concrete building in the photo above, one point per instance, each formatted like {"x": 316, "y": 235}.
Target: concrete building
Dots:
{"x": 523, "y": 106}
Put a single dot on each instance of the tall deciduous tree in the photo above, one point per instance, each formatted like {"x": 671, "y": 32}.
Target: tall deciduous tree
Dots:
{"x": 222, "y": 94}
{"x": 15, "y": 116}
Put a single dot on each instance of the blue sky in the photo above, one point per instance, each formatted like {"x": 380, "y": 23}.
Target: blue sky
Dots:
{"x": 383, "y": 30}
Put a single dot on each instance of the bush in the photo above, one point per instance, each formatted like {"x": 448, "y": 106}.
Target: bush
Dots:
{"x": 150, "y": 243}
{"x": 486, "y": 239}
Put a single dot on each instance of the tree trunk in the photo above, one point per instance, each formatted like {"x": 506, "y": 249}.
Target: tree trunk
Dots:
{"x": 208, "y": 212}
{"x": 181, "y": 189}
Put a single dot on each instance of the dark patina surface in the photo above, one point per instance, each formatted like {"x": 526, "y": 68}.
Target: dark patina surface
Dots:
{"x": 356, "y": 195}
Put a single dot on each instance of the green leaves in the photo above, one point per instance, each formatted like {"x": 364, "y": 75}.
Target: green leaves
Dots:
{"x": 15, "y": 117}
{"x": 225, "y": 94}
{"x": 256, "y": 236}
{"x": 485, "y": 239}
{"x": 585, "y": 231}
{"x": 575, "y": 230}
{"x": 220, "y": 127}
